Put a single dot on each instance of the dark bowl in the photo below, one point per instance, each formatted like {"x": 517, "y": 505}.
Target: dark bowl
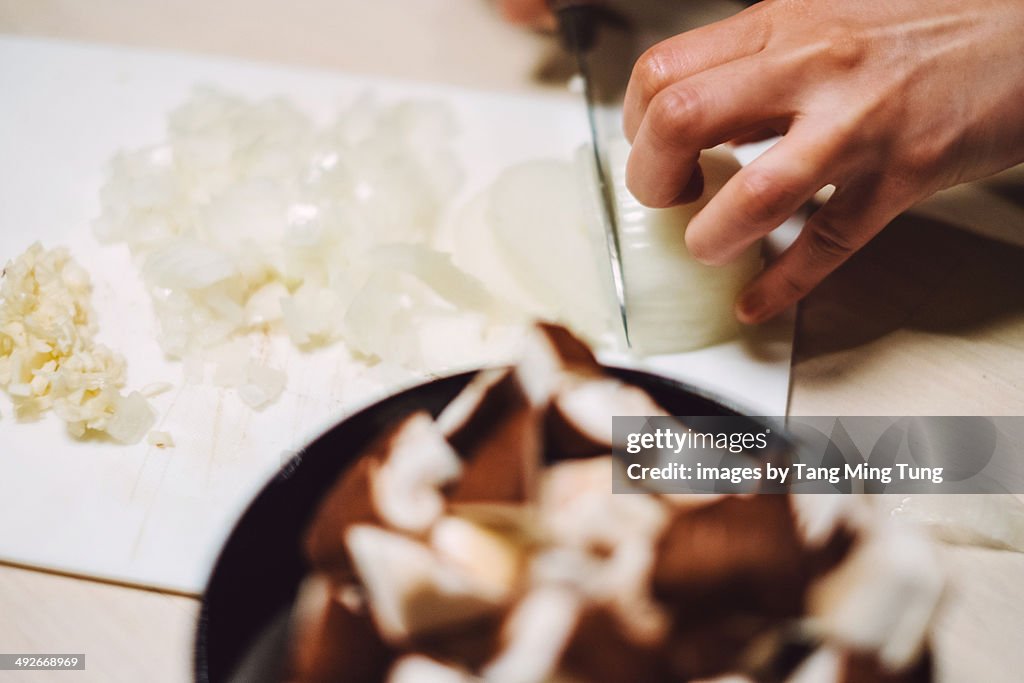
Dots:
{"x": 242, "y": 630}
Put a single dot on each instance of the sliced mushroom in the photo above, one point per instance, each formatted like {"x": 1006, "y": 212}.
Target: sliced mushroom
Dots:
{"x": 417, "y": 461}
{"x": 411, "y": 591}
{"x": 552, "y": 356}
{"x": 600, "y": 651}
{"x": 520, "y": 523}
{"x": 493, "y": 560}
{"x": 330, "y": 641}
{"x": 535, "y": 636}
{"x": 604, "y": 543}
{"x": 420, "y": 669}
{"x": 825, "y": 664}
{"x": 579, "y": 422}
{"x": 577, "y": 506}
{"x": 829, "y": 663}
{"x": 623, "y": 586}
{"x": 348, "y": 502}
{"x": 736, "y": 555}
{"x": 819, "y": 515}
{"x": 866, "y": 668}
{"x": 883, "y": 597}
{"x": 501, "y": 444}
{"x": 456, "y": 416}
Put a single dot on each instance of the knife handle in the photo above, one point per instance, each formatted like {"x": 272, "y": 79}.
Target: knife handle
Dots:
{"x": 578, "y": 21}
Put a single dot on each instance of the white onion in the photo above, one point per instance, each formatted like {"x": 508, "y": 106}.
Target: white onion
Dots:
{"x": 536, "y": 236}
{"x": 132, "y": 418}
{"x": 262, "y": 385}
{"x": 186, "y": 264}
{"x": 992, "y": 521}
{"x": 155, "y": 389}
{"x": 675, "y": 303}
{"x": 248, "y": 216}
{"x": 544, "y": 231}
{"x": 530, "y": 237}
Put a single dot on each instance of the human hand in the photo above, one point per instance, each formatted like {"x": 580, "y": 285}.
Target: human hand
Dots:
{"x": 527, "y": 12}
{"x": 889, "y": 102}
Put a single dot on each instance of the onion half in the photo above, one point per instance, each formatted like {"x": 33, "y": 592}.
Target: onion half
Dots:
{"x": 675, "y": 303}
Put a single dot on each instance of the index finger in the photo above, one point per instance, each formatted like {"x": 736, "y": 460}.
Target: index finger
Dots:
{"x": 687, "y": 54}
{"x": 698, "y": 113}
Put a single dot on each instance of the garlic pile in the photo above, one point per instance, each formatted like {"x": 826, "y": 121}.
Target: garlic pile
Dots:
{"x": 486, "y": 545}
{"x": 48, "y": 357}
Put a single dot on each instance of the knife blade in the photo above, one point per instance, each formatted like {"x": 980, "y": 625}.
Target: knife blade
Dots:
{"x": 577, "y": 25}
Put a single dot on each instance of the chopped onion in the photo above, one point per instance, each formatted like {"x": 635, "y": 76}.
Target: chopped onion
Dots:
{"x": 160, "y": 439}
{"x": 992, "y": 521}
{"x": 249, "y": 216}
{"x": 543, "y": 230}
{"x": 262, "y": 385}
{"x": 155, "y": 389}
{"x": 132, "y": 418}
{"x": 264, "y": 305}
{"x": 186, "y": 265}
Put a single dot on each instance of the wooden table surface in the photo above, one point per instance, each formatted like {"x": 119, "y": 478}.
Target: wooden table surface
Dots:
{"x": 928, "y": 319}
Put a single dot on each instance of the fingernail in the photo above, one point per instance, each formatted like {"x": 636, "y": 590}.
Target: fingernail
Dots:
{"x": 750, "y": 307}
{"x": 694, "y": 187}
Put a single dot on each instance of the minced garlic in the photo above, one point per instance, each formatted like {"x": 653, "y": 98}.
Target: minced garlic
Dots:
{"x": 48, "y": 357}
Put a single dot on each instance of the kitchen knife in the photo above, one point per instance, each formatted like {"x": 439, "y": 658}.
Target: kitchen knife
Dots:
{"x": 577, "y": 25}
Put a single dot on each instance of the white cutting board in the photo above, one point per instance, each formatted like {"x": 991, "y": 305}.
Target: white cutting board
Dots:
{"x": 154, "y": 517}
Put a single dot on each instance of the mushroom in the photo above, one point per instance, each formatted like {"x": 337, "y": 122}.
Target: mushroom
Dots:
{"x": 550, "y": 357}
{"x": 331, "y": 640}
{"x": 494, "y": 560}
{"x": 830, "y": 663}
{"x": 577, "y": 506}
{"x": 600, "y": 650}
{"x": 579, "y": 421}
{"x": 420, "y": 669}
{"x": 882, "y": 598}
{"x": 348, "y": 502}
{"x": 740, "y": 554}
{"x": 866, "y": 668}
{"x": 500, "y": 440}
{"x": 455, "y": 418}
{"x": 535, "y": 636}
{"x": 412, "y": 592}
{"x": 417, "y": 462}
{"x": 396, "y": 482}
